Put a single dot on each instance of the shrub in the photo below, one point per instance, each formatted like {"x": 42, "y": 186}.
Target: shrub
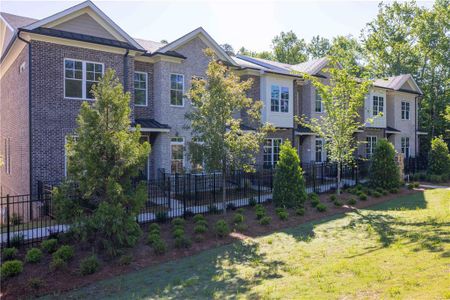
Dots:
{"x": 288, "y": 185}
{"x": 240, "y": 210}
{"x": 64, "y": 252}
{"x": 238, "y": 218}
{"x": 376, "y": 194}
{"x": 416, "y": 184}
{"x": 9, "y": 253}
{"x": 252, "y": 201}
{"x": 125, "y": 260}
{"x": 34, "y": 255}
{"x": 213, "y": 209}
{"x": 438, "y": 157}
{"x": 159, "y": 247}
{"x": 221, "y": 228}
{"x": 57, "y": 264}
{"x": 393, "y": 191}
{"x": 300, "y": 211}
{"x": 333, "y": 198}
{"x": 410, "y": 186}
{"x": 351, "y": 201}
{"x": 178, "y": 232}
{"x": 337, "y": 203}
{"x": 153, "y": 237}
{"x": 161, "y": 216}
{"x": 35, "y": 283}
{"x": 384, "y": 171}
{"x": 11, "y": 268}
{"x": 17, "y": 240}
{"x": 198, "y": 217}
{"x": 202, "y": 222}
{"x": 182, "y": 242}
{"x": 49, "y": 245}
{"x": 260, "y": 211}
{"x": 231, "y": 206}
{"x": 315, "y": 201}
{"x": 89, "y": 265}
{"x": 282, "y": 213}
{"x": 155, "y": 228}
{"x": 321, "y": 207}
{"x": 200, "y": 228}
{"x": 265, "y": 220}
{"x": 362, "y": 197}
{"x": 178, "y": 222}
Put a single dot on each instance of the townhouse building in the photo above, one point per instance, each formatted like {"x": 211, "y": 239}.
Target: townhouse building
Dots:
{"x": 48, "y": 67}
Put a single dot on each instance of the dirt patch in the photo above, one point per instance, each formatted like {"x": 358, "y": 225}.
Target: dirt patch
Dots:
{"x": 143, "y": 256}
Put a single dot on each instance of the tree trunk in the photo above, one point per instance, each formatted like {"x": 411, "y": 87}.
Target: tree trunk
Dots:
{"x": 338, "y": 191}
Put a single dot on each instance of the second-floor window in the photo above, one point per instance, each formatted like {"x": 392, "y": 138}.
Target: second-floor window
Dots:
{"x": 405, "y": 146}
{"x": 176, "y": 89}
{"x": 140, "y": 89}
{"x": 378, "y": 105}
{"x": 79, "y": 77}
{"x": 177, "y": 154}
{"x": 279, "y": 99}
{"x": 371, "y": 142}
{"x": 405, "y": 110}
{"x": 271, "y": 152}
{"x": 318, "y": 103}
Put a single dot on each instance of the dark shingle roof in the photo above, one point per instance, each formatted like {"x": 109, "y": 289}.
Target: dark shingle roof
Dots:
{"x": 388, "y": 128}
{"x": 303, "y": 129}
{"x": 151, "y": 123}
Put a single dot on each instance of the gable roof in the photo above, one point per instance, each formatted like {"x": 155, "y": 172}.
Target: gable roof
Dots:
{"x": 150, "y": 46}
{"x": 396, "y": 83}
{"x": 74, "y": 9}
{"x": 15, "y": 21}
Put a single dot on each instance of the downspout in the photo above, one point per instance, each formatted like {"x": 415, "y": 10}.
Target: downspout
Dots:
{"x": 416, "y": 126}
{"x": 29, "y": 115}
{"x": 125, "y": 71}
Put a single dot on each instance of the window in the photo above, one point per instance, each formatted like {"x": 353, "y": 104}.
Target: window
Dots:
{"x": 370, "y": 145}
{"x": 7, "y": 157}
{"x": 140, "y": 89}
{"x": 405, "y": 110}
{"x": 319, "y": 107}
{"x": 176, "y": 89}
{"x": 271, "y": 152}
{"x": 66, "y": 154}
{"x": 79, "y": 77}
{"x": 405, "y": 146}
{"x": 279, "y": 97}
{"x": 177, "y": 154}
{"x": 319, "y": 150}
{"x": 378, "y": 105}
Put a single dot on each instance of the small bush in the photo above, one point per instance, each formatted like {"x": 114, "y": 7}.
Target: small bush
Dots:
{"x": 9, "y": 253}
{"x": 161, "y": 216}
{"x": 376, "y": 194}
{"x": 300, "y": 211}
{"x": 333, "y": 198}
{"x": 178, "y": 232}
{"x": 410, "y": 186}
{"x": 362, "y": 197}
{"x": 252, "y": 201}
{"x": 57, "y": 264}
{"x": 260, "y": 213}
{"x": 351, "y": 201}
{"x": 64, "y": 252}
{"x": 337, "y": 203}
{"x": 200, "y": 228}
{"x": 11, "y": 268}
{"x": 89, "y": 265}
{"x": 182, "y": 242}
{"x": 34, "y": 255}
{"x": 213, "y": 209}
{"x": 321, "y": 207}
{"x": 178, "y": 222}
{"x": 49, "y": 245}
{"x": 238, "y": 218}
{"x": 125, "y": 260}
{"x": 202, "y": 222}
{"x": 394, "y": 191}
{"x": 17, "y": 240}
{"x": 240, "y": 210}
{"x": 153, "y": 237}
{"x": 282, "y": 213}
{"x": 240, "y": 227}
{"x": 35, "y": 283}
{"x": 416, "y": 184}
{"x": 265, "y": 220}
{"x": 159, "y": 247}
{"x": 231, "y": 206}
{"x": 221, "y": 228}
{"x": 155, "y": 228}
{"x": 198, "y": 217}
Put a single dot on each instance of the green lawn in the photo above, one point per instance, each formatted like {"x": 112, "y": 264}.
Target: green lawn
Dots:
{"x": 399, "y": 249}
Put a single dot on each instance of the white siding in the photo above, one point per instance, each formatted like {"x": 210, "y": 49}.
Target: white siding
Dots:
{"x": 378, "y": 121}
{"x": 278, "y": 119}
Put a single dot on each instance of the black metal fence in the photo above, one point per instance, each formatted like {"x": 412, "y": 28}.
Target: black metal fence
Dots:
{"x": 413, "y": 165}
{"x": 27, "y": 219}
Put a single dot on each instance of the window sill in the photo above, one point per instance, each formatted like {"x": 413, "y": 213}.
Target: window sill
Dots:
{"x": 177, "y": 106}
{"x": 140, "y": 105}
{"x": 82, "y": 99}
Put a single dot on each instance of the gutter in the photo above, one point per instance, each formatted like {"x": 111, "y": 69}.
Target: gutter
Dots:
{"x": 29, "y": 113}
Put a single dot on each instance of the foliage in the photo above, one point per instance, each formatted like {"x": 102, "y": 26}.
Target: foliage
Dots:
{"x": 89, "y": 265}
{"x": 17, "y": 240}
{"x": 34, "y": 255}
{"x": 57, "y": 264}
{"x": 228, "y": 49}
{"x": 260, "y": 211}
{"x": 99, "y": 195}
{"x": 282, "y": 213}
{"x": 384, "y": 171}
{"x": 333, "y": 198}
{"x": 155, "y": 228}
{"x": 238, "y": 218}
{"x": 125, "y": 260}
{"x": 65, "y": 252}
{"x": 200, "y": 228}
{"x": 289, "y": 49}
{"x": 11, "y": 268}
{"x": 178, "y": 232}
{"x": 153, "y": 237}
{"x": 159, "y": 247}
{"x": 49, "y": 245}
{"x": 300, "y": 211}
{"x": 252, "y": 201}
{"x": 342, "y": 99}
{"x": 264, "y": 54}
{"x": 337, "y": 203}
{"x": 198, "y": 217}
{"x": 318, "y": 47}
{"x": 351, "y": 201}
{"x": 314, "y": 199}
{"x": 438, "y": 157}
{"x": 178, "y": 222}
{"x": 16, "y": 219}
{"x": 289, "y": 185}
{"x": 182, "y": 242}
{"x": 321, "y": 207}
{"x": 265, "y": 220}
{"x": 362, "y": 196}
{"x": 9, "y": 253}
{"x": 221, "y": 228}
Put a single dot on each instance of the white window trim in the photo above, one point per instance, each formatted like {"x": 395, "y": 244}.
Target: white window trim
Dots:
{"x": 146, "y": 89}
{"x": 83, "y": 79}
{"x": 403, "y": 142}
{"x": 369, "y": 145}
{"x": 401, "y": 111}
{"x": 378, "y": 104}
{"x": 182, "y": 143}
{"x": 321, "y": 103}
{"x": 170, "y": 88}
{"x": 322, "y": 153}
{"x": 280, "y": 87}
{"x": 272, "y": 158}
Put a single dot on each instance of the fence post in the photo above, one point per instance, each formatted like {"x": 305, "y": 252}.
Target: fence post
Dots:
{"x": 168, "y": 190}
{"x": 214, "y": 187}
{"x": 8, "y": 228}
{"x": 314, "y": 178}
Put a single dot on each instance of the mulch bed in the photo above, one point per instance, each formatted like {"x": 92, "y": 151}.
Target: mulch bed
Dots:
{"x": 59, "y": 281}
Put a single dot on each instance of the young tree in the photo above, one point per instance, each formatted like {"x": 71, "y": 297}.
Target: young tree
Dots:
{"x": 218, "y": 140}
{"x": 99, "y": 197}
{"x": 384, "y": 171}
{"x": 289, "y": 185}
{"x": 287, "y": 48}
{"x": 439, "y": 159}
{"x": 318, "y": 47}
{"x": 342, "y": 100}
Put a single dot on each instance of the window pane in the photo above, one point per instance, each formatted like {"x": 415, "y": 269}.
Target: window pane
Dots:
{"x": 69, "y": 64}
{"x": 70, "y": 73}
{"x": 275, "y": 98}
{"x": 284, "y": 99}
{"x": 89, "y": 67}
{"x": 89, "y": 85}
{"x": 139, "y": 97}
{"x": 73, "y": 88}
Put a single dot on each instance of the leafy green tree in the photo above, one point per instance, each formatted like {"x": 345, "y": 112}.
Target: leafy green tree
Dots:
{"x": 384, "y": 171}
{"x": 438, "y": 157}
{"x": 289, "y": 185}
{"x": 287, "y": 48}
{"x": 342, "y": 100}
{"x": 228, "y": 49}
{"x": 318, "y": 47}
{"x": 348, "y": 51}
{"x": 264, "y": 54}
{"x": 99, "y": 197}
{"x": 218, "y": 140}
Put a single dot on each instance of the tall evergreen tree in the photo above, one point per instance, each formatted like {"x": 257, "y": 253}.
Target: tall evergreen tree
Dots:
{"x": 384, "y": 171}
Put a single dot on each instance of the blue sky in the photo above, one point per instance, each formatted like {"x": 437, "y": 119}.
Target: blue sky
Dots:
{"x": 251, "y": 24}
